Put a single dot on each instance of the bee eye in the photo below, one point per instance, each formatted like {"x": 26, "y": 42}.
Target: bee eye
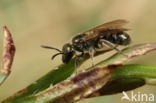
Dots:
{"x": 76, "y": 40}
{"x": 68, "y": 48}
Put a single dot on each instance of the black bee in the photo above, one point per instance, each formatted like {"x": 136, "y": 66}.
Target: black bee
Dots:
{"x": 106, "y": 36}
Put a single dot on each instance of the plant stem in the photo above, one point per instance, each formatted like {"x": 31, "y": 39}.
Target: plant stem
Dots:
{"x": 65, "y": 70}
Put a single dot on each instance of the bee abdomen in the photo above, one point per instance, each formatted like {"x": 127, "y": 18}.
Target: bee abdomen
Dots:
{"x": 120, "y": 38}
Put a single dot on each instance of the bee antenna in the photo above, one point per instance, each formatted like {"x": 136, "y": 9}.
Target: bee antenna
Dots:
{"x": 48, "y": 47}
{"x": 56, "y": 55}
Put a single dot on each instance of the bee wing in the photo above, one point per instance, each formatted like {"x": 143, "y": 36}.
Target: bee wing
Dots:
{"x": 116, "y": 24}
{"x": 113, "y": 25}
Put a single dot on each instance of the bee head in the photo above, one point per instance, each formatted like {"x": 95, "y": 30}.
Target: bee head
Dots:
{"x": 67, "y": 52}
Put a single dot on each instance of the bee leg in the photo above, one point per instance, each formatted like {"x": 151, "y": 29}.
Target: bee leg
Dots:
{"x": 113, "y": 47}
{"x": 77, "y": 59}
{"x": 91, "y": 53}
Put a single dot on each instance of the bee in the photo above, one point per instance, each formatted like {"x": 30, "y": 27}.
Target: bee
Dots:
{"x": 106, "y": 36}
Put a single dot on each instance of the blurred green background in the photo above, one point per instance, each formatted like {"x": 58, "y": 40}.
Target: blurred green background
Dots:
{"x": 54, "y": 22}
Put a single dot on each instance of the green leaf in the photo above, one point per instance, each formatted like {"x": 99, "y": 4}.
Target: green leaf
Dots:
{"x": 129, "y": 77}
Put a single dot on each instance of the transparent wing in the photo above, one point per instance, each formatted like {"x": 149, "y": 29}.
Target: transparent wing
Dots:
{"x": 113, "y": 25}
